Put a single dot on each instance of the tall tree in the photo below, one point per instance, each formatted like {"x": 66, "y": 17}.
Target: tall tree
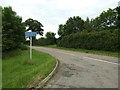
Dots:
{"x": 72, "y": 25}
{"x": 34, "y": 25}
{"x": 106, "y": 20}
{"x": 13, "y": 29}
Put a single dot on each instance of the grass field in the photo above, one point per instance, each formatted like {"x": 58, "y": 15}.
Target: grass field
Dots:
{"x": 99, "y": 52}
{"x": 18, "y": 72}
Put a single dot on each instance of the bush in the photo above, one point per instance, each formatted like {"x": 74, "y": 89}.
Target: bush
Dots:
{"x": 23, "y": 47}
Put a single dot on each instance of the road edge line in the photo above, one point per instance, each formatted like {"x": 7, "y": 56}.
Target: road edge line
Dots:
{"x": 45, "y": 80}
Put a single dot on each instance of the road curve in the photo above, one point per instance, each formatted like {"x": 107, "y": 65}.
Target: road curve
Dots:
{"x": 81, "y": 70}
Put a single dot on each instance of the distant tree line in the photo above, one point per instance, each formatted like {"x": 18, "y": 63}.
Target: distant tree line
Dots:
{"x": 48, "y": 40}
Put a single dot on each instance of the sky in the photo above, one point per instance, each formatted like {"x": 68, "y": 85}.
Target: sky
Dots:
{"x": 51, "y": 13}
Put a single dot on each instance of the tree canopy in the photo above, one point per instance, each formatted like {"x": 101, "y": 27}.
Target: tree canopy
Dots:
{"x": 72, "y": 25}
{"x": 34, "y": 26}
{"x": 50, "y": 38}
{"x": 107, "y": 20}
{"x": 12, "y": 30}
{"x": 118, "y": 12}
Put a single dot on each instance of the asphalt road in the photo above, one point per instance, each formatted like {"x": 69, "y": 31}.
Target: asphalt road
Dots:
{"x": 82, "y": 70}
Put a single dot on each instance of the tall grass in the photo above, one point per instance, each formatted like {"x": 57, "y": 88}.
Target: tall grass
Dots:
{"x": 18, "y": 74}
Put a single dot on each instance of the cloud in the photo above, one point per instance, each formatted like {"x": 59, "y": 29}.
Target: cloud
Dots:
{"x": 51, "y": 13}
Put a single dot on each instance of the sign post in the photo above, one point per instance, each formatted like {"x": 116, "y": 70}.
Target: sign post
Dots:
{"x": 30, "y": 34}
{"x": 30, "y": 48}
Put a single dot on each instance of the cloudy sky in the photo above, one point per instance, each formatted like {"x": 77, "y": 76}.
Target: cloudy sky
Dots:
{"x": 51, "y": 13}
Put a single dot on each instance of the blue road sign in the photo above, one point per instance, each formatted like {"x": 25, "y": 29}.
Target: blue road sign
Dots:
{"x": 30, "y": 34}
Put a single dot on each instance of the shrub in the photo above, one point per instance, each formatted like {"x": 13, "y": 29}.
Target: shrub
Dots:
{"x": 102, "y": 40}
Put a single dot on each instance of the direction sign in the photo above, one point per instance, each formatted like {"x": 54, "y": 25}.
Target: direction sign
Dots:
{"x": 30, "y": 34}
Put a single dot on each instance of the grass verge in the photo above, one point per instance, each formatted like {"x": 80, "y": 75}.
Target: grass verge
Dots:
{"x": 18, "y": 73}
{"x": 99, "y": 52}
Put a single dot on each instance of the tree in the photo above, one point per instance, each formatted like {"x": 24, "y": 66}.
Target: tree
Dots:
{"x": 106, "y": 20}
{"x": 72, "y": 25}
{"x": 87, "y": 24}
{"x": 42, "y": 41}
{"x": 118, "y": 17}
{"x": 61, "y": 30}
{"x": 12, "y": 30}
{"x": 118, "y": 25}
{"x": 34, "y": 26}
{"x": 50, "y": 38}
{"x": 100, "y": 33}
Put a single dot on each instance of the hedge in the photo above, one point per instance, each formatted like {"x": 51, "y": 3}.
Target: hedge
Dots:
{"x": 102, "y": 40}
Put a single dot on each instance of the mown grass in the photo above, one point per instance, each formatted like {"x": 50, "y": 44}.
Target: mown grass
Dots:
{"x": 18, "y": 72}
{"x": 99, "y": 52}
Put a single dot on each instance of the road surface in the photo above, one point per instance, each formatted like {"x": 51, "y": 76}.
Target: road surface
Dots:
{"x": 82, "y": 70}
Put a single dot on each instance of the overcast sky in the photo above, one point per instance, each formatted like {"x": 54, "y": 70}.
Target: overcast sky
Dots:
{"x": 51, "y": 13}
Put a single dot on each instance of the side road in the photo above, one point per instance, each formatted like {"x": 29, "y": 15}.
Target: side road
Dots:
{"x": 81, "y": 70}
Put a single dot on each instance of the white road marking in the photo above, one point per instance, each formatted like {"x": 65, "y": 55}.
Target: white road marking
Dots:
{"x": 93, "y": 59}
{"x": 101, "y": 60}
{"x": 68, "y": 53}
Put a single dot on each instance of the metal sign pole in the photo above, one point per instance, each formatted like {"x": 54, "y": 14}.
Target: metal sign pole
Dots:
{"x": 31, "y": 48}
